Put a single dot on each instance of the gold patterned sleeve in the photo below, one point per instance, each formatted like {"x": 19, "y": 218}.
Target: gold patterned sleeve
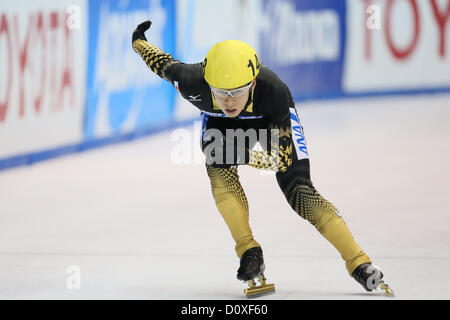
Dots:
{"x": 157, "y": 60}
{"x": 278, "y": 157}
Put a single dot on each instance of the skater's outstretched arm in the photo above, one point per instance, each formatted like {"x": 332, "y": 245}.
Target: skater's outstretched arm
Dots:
{"x": 163, "y": 64}
{"x": 158, "y": 61}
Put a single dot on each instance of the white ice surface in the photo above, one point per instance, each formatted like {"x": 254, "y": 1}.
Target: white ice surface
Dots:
{"x": 141, "y": 227}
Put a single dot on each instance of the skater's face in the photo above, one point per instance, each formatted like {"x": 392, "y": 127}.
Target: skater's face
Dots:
{"x": 232, "y": 101}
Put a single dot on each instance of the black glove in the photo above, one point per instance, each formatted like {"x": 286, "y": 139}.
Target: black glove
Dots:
{"x": 140, "y": 29}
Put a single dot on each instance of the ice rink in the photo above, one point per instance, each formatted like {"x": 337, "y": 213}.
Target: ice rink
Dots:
{"x": 138, "y": 226}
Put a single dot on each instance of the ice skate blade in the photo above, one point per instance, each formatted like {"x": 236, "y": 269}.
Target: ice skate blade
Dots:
{"x": 258, "y": 291}
{"x": 388, "y": 291}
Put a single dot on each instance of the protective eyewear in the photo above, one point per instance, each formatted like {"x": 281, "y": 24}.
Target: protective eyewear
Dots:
{"x": 233, "y": 93}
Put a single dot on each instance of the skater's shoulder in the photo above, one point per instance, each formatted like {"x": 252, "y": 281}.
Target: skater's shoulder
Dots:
{"x": 189, "y": 75}
{"x": 272, "y": 94}
{"x": 269, "y": 85}
{"x": 269, "y": 79}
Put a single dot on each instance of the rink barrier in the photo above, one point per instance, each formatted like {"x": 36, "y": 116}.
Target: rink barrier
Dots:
{"x": 375, "y": 94}
{"x": 35, "y": 157}
{"x": 330, "y": 57}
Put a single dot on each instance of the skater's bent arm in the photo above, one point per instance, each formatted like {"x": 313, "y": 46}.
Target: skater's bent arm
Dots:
{"x": 279, "y": 156}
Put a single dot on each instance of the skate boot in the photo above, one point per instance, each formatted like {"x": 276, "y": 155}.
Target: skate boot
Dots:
{"x": 252, "y": 266}
{"x": 369, "y": 276}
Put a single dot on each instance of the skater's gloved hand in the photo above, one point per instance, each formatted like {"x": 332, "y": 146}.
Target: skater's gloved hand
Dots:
{"x": 140, "y": 29}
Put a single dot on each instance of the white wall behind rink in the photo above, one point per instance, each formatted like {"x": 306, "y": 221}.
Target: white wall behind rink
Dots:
{"x": 42, "y": 81}
{"x": 410, "y": 50}
{"x": 43, "y": 67}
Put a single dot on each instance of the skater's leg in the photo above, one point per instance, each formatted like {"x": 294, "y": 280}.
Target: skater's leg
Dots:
{"x": 293, "y": 176}
{"x": 310, "y": 205}
{"x": 232, "y": 204}
{"x": 225, "y": 185}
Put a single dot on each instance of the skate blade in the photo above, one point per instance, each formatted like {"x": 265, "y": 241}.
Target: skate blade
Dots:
{"x": 389, "y": 292}
{"x": 258, "y": 291}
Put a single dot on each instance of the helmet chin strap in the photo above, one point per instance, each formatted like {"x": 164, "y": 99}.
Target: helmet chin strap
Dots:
{"x": 249, "y": 101}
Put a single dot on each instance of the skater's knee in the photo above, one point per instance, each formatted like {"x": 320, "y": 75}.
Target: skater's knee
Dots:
{"x": 226, "y": 188}
{"x": 225, "y": 177}
{"x": 311, "y": 206}
{"x": 225, "y": 173}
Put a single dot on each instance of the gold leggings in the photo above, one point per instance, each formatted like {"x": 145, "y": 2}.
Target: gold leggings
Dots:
{"x": 232, "y": 204}
{"x": 303, "y": 198}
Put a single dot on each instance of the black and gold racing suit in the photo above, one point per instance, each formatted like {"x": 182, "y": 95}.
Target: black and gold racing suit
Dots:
{"x": 270, "y": 106}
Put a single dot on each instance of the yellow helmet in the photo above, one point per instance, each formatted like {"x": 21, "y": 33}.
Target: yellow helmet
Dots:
{"x": 230, "y": 64}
